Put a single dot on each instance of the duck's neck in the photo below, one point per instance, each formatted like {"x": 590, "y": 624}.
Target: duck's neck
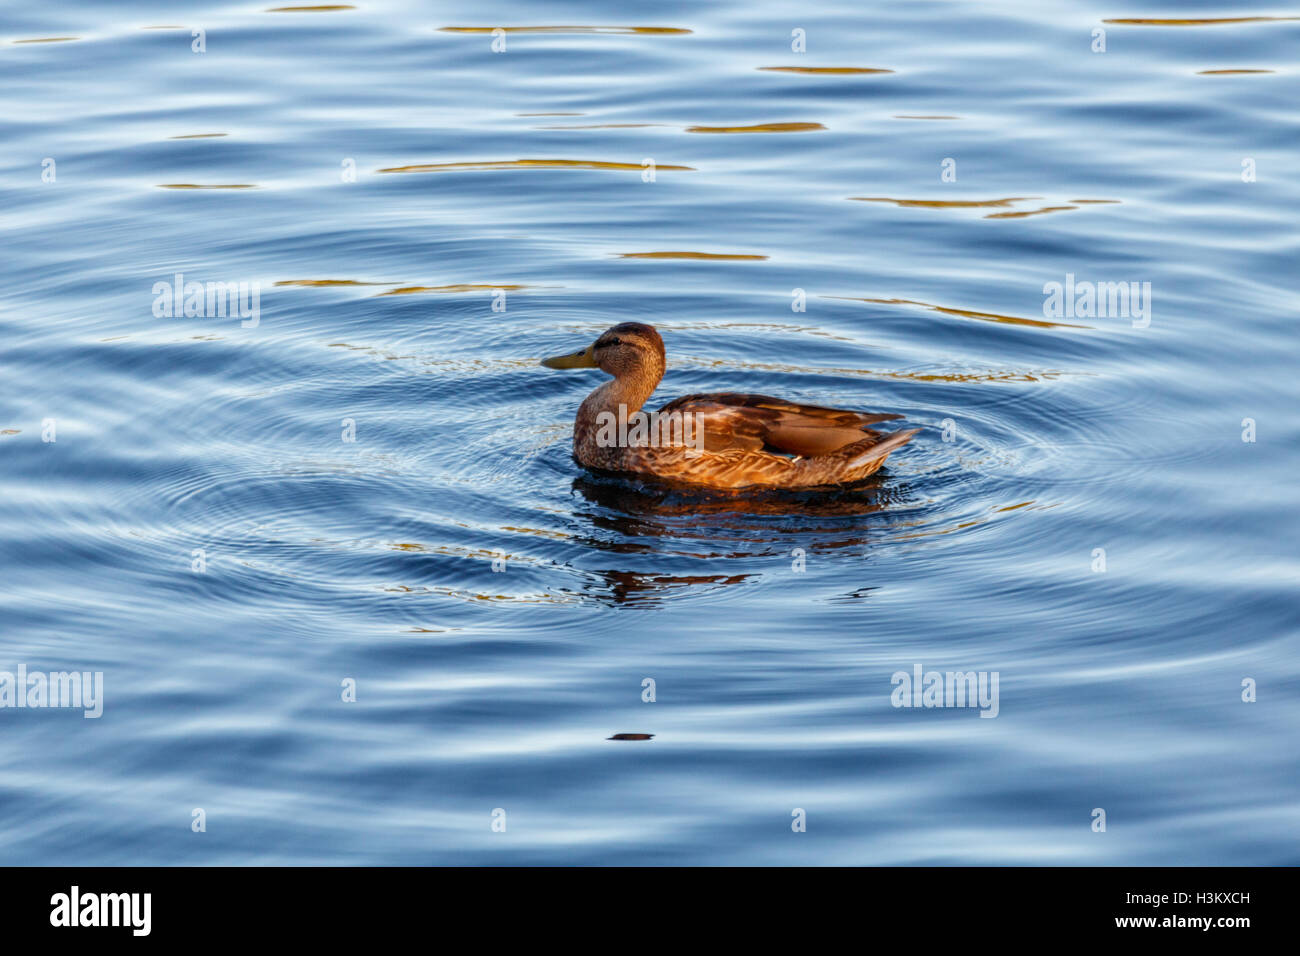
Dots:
{"x": 630, "y": 390}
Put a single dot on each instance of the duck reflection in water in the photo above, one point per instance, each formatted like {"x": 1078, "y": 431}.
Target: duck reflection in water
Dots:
{"x": 673, "y": 526}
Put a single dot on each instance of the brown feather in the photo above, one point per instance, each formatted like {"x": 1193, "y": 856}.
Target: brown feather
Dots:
{"x": 739, "y": 420}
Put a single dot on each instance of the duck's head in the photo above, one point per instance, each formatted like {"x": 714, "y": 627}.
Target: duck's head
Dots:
{"x": 626, "y": 349}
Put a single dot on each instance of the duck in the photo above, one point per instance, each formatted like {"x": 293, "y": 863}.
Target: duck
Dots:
{"x": 727, "y": 441}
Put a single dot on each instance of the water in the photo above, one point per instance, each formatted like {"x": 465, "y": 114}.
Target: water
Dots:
{"x": 975, "y": 549}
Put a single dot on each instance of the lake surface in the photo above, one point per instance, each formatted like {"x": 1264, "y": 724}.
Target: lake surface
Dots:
{"x": 1100, "y": 509}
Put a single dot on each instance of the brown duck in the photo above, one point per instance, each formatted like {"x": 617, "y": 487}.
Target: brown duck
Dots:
{"x": 723, "y": 440}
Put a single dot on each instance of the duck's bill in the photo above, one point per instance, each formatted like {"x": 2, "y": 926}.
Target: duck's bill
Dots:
{"x": 584, "y": 359}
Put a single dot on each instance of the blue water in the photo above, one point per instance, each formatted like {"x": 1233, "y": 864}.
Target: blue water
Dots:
{"x": 771, "y": 628}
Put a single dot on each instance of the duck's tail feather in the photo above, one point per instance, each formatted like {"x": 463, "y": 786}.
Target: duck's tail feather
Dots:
{"x": 878, "y": 451}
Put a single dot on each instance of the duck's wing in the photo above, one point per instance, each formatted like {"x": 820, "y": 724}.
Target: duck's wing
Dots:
{"x": 746, "y": 422}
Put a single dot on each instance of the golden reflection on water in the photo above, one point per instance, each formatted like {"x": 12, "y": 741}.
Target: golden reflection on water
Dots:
{"x": 457, "y": 287}
{"x": 49, "y": 40}
{"x": 324, "y": 8}
{"x": 740, "y": 257}
{"x": 212, "y": 186}
{"x": 199, "y": 136}
{"x": 983, "y": 204}
{"x": 399, "y": 289}
{"x": 1230, "y": 72}
{"x": 966, "y": 313}
{"x": 1205, "y": 22}
{"x": 946, "y": 203}
{"x": 650, "y": 31}
{"x": 1028, "y": 212}
{"x": 823, "y": 70}
{"x": 326, "y": 282}
{"x": 759, "y": 128}
{"x": 529, "y": 164}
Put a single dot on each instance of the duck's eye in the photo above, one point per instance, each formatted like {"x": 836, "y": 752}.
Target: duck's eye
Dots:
{"x": 614, "y": 342}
